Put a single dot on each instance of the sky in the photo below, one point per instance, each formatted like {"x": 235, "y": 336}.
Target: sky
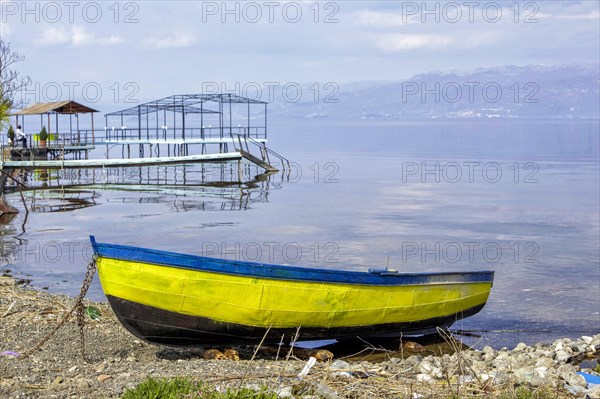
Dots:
{"x": 118, "y": 54}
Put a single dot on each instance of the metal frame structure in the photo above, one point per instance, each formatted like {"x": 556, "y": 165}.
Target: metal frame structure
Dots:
{"x": 183, "y": 105}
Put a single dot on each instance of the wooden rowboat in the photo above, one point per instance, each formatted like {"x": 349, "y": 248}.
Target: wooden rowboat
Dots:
{"x": 176, "y": 299}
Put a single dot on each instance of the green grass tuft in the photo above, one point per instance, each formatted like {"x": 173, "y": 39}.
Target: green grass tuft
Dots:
{"x": 180, "y": 388}
{"x": 524, "y": 392}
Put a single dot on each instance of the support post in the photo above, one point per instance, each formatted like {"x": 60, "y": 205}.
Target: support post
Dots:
{"x": 182, "y": 120}
{"x": 93, "y": 131}
{"x": 139, "y": 123}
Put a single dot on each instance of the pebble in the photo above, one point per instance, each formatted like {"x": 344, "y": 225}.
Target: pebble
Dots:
{"x": 104, "y": 377}
{"x": 521, "y": 346}
{"x": 285, "y": 392}
{"x": 424, "y": 378}
{"x": 562, "y": 356}
{"x": 83, "y": 384}
{"x": 340, "y": 365}
{"x": 594, "y": 393}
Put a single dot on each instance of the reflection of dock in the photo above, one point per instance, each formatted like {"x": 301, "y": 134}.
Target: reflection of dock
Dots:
{"x": 205, "y": 187}
{"x": 62, "y": 200}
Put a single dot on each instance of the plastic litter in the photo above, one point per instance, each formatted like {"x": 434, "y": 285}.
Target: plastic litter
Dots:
{"x": 311, "y": 362}
{"x": 10, "y": 354}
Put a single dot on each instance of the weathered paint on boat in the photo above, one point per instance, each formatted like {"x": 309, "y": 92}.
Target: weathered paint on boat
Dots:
{"x": 178, "y": 299}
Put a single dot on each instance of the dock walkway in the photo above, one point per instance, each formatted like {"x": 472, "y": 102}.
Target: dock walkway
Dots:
{"x": 102, "y": 163}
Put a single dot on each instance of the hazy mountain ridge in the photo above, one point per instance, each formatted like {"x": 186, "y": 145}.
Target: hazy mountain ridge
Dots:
{"x": 533, "y": 91}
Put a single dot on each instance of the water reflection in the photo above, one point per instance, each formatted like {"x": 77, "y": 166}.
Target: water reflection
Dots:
{"x": 206, "y": 187}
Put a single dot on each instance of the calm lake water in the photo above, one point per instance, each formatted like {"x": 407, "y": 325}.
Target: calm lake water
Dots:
{"x": 520, "y": 198}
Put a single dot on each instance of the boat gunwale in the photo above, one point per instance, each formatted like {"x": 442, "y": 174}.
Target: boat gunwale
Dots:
{"x": 284, "y": 272}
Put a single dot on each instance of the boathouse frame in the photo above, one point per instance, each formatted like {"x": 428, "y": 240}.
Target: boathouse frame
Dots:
{"x": 49, "y": 109}
{"x": 183, "y": 111}
{"x": 167, "y": 112}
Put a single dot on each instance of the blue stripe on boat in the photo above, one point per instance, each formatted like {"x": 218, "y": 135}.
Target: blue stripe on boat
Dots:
{"x": 194, "y": 262}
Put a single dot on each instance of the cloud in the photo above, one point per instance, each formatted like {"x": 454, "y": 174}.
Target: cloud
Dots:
{"x": 81, "y": 37}
{"x": 52, "y": 36}
{"x": 179, "y": 40}
{"x": 4, "y": 30}
{"x": 593, "y": 14}
{"x": 381, "y": 19}
{"x": 400, "y": 42}
{"x": 77, "y": 37}
{"x": 590, "y": 15}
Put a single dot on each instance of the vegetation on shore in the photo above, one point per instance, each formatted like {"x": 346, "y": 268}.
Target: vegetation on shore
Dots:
{"x": 185, "y": 387}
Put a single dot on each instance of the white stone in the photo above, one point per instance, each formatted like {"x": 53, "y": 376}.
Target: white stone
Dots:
{"x": 523, "y": 374}
{"x": 594, "y": 393}
{"x": 285, "y": 392}
{"x": 521, "y": 346}
{"x": 576, "y": 380}
{"x": 541, "y": 371}
{"x": 587, "y": 339}
{"x": 558, "y": 346}
{"x": 340, "y": 365}
{"x": 562, "y": 356}
{"x": 566, "y": 369}
{"x": 544, "y": 362}
{"x": 425, "y": 367}
{"x": 424, "y": 377}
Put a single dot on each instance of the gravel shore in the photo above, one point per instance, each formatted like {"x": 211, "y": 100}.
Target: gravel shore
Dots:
{"x": 118, "y": 361}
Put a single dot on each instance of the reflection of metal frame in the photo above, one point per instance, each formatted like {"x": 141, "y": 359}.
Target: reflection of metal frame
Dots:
{"x": 220, "y": 186}
{"x": 68, "y": 200}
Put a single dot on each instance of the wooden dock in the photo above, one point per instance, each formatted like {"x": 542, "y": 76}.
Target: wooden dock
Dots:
{"x": 42, "y": 153}
{"x": 216, "y": 140}
{"x": 104, "y": 163}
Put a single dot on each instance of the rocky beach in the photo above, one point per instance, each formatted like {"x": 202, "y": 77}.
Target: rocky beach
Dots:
{"x": 117, "y": 362}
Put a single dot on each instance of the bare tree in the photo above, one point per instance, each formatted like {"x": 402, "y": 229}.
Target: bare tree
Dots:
{"x": 11, "y": 81}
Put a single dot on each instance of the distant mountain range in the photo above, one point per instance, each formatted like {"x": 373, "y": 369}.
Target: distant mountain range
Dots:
{"x": 533, "y": 91}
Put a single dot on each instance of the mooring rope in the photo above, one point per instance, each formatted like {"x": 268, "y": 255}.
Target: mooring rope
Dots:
{"x": 77, "y": 307}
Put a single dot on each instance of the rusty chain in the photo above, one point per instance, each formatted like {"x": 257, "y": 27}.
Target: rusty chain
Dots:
{"x": 77, "y": 307}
